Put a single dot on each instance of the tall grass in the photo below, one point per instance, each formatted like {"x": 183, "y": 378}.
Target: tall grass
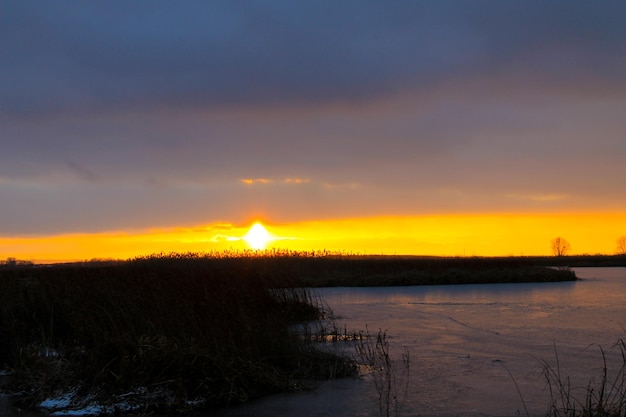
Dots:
{"x": 179, "y": 328}
{"x": 602, "y": 397}
{"x": 391, "y": 383}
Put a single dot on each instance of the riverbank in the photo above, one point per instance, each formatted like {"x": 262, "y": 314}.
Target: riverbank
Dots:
{"x": 181, "y": 332}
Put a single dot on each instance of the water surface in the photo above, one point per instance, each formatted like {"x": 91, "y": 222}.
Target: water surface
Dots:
{"x": 464, "y": 340}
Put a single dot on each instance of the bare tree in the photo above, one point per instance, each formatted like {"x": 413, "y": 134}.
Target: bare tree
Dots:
{"x": 560, "y": 246}
{"x": 621, "y": 245}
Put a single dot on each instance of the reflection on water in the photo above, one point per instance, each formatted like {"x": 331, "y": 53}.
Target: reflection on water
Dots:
{"x": 462, "y": 294}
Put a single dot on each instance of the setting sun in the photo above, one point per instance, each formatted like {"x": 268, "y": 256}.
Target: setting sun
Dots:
{"x": 257, "y": 237}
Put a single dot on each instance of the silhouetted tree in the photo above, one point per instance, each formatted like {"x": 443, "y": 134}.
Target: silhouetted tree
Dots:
{"x": 560, "y": 246}
{"x": 621, "y": 245}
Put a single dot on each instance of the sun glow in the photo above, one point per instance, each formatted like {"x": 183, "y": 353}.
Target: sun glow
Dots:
{"x": 257, "y": 237}
{"x": 441, "y": 235}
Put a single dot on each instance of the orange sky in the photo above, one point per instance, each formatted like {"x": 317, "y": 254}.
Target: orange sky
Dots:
{"x": 427, "y": 128}
{"x": 448, "y": 235}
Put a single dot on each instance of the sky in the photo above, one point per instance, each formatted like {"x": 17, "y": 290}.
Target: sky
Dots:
{"x": 445, "y": 127}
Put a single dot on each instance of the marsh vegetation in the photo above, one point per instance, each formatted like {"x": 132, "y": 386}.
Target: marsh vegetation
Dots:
{"x": 172, "y": 332}
{"x": 185, "y": 331}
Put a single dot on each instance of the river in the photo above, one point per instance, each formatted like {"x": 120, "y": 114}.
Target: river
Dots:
{"x": 470, "y": 345}
{"x": 475, "y": 350}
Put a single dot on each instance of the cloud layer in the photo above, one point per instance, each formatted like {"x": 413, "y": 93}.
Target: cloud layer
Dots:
{"x": 117, "y": 115}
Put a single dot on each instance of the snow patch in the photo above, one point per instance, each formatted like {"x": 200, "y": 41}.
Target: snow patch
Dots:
{"x": 69, "y": 404}
{"x": 91, "y": 410}
{"x": 64, "y": 401}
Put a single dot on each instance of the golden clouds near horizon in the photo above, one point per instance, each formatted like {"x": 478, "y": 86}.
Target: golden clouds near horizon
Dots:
{"x": 288, "y": 181}
{"x": 441, "y": 235}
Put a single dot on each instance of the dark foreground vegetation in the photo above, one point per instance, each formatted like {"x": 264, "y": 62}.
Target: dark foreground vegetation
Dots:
{"x": 173, "y": 332}
{"x": 178, "y": 332}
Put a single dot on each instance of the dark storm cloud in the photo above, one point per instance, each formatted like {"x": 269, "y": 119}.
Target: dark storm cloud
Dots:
{"x": 74, "y": 54}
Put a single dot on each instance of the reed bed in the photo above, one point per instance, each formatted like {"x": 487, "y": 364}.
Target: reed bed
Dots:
{"x": 329, "y": 269}
{"x": 170, "y": 332}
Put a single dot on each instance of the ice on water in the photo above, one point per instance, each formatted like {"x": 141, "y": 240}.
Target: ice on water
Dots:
{"x": 471, "y": 344}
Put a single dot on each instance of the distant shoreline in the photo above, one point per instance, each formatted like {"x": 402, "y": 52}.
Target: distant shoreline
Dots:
{"x": 585, "y": 260}
{"x": 327, "y": 269}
